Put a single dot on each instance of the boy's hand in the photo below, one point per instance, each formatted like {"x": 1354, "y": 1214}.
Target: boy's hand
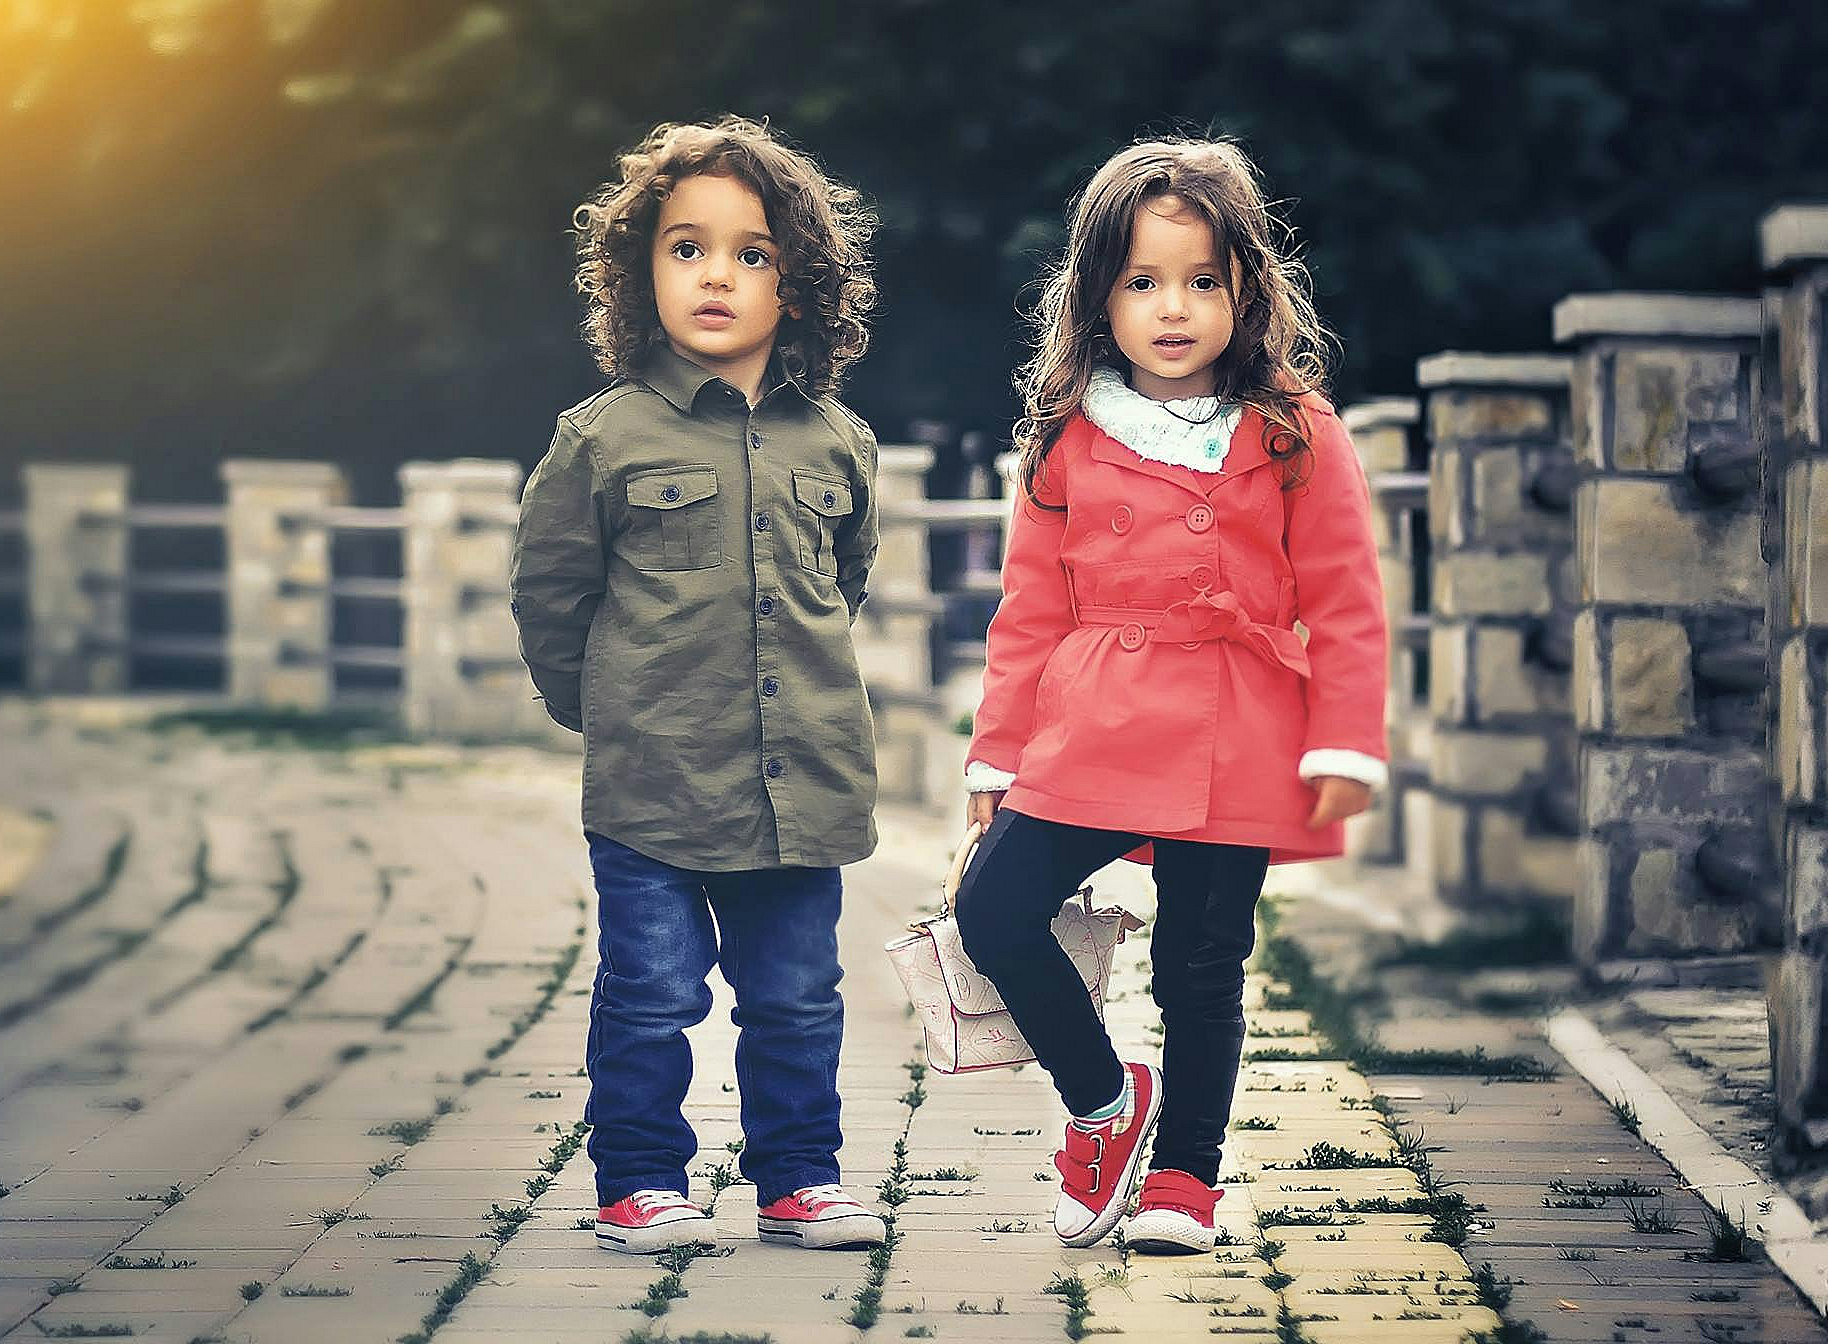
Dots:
{"x": 981, "y": 807}
{"x": 1339, "y": 798}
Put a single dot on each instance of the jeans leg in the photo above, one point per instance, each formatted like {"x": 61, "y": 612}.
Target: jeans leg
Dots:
{"x": 655, "y": 946}
{"x": 1025, "y": 869}
{"x": 779, "y": 930}
{"x": 1204, "y": 930}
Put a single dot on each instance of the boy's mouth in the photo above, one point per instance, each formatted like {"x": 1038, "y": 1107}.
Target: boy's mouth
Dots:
{"x": 714, "y": 314}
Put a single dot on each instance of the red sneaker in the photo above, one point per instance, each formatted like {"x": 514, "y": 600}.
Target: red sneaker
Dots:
{"x": 1098, "y": 1166}
{"x": 1175, "y": 1216}
{"x": 653, "y": 1220}
{"x": 821, "y": 1218}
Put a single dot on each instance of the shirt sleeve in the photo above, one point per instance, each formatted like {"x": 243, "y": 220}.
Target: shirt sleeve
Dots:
{"x": 857, "y": 537}
{"x": 1034, "y": 615}
{"x": 557, "y": 577}
{"x": 1340, "y": 596}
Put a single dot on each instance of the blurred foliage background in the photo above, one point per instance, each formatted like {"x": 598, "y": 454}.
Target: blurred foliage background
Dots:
{"x": 339, "y": 228}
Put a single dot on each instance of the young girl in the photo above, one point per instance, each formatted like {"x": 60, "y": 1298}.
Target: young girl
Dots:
{"x": 692, "y": 551}
{"x": 1187, "y": 493}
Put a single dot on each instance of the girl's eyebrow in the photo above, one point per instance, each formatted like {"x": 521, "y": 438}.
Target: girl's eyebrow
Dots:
{"x": 1208, "y": 265}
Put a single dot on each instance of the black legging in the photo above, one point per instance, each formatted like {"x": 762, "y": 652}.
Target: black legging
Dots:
{"x": 1024, "y": 871}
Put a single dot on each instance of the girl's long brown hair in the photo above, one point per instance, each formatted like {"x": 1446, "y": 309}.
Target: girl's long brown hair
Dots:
{"x": 1279, "y": 348}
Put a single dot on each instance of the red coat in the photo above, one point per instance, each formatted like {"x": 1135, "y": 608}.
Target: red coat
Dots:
{"x": 1143, "y": 671}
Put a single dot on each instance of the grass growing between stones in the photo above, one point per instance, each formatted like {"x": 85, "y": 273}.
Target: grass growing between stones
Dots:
{"x": 333, "y": 730}
{"x": 79, "y": 1330}
{"x": 1071, "y": 1290}
{"x": 1532, "y": 938}
{"x": 893, "y": 1190}
{"x": 97, "y": 891}
{"x": 470, "y": 1272}
{"x": 1330, "y": 1012}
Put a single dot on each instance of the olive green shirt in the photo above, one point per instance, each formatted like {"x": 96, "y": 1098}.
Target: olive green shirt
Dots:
{"x": 685, "y": 576}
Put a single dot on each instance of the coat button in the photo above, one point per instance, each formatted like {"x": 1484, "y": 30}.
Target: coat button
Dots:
{"x": 1121, "y": 519}
{"x": 670, "y": 494}
{"x": 770, "y": 686}
{"x": 762, "y": 524}
{"x": 775, "y": 769}
{"x": 765, "y": 606}
{"x": 1201, "y": 578}
{"x": 1131, "y": 637}
{"x": 1199, "y": 517}
{"x": 830, "y": 498}
{"x": 755, "y": 440}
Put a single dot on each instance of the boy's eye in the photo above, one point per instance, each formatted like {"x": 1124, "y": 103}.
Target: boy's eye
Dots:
{"x": 754, "y": 258}
{"x": 687, "y": 250}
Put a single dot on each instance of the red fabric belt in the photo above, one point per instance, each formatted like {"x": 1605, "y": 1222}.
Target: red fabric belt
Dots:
{"x": 1205, "y": 616}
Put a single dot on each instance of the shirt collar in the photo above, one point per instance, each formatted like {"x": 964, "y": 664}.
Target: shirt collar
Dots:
{"x": 680, "y": 381}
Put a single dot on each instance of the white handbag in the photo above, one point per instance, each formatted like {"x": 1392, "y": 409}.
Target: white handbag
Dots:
{"x": 966, "y": 1025}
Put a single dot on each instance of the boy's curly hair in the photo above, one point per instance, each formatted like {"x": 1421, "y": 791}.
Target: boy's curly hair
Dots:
{"x": 823, "y": 228}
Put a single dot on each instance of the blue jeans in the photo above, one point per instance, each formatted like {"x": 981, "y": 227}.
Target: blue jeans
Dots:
{"x": 776, "y": 938}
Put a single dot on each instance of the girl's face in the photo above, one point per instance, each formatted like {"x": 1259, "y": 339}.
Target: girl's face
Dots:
{"x": 716, "y": 274}
{"x": 1171, "y": 308}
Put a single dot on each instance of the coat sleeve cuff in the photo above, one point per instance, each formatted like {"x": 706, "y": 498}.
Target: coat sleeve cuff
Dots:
{"x": 1347, "y": 764}
{"x": 982, "y": 778}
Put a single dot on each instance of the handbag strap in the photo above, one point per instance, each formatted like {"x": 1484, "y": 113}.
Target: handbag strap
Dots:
{"x": 961, "y": 860}
{"x": 948, "y": 888}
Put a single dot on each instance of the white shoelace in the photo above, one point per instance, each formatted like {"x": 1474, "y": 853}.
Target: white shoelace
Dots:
{"x": 653, "y": 1201}
{"x": 827, "y": 1194}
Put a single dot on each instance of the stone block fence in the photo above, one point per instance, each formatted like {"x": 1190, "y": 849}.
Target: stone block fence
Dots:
{"x": 1606, "y": 564}
{"x": 288, "y": 608}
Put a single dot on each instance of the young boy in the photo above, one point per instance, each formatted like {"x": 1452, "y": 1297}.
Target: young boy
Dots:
{"x": 692, "y": 551}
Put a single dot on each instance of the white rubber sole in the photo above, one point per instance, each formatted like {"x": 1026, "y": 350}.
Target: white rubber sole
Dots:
{"x": 1100, "y": 1227}
{"x": 854, "y": 1232}
{"x": 1164, "y": 1232}
{"x": 659, "y": 1237}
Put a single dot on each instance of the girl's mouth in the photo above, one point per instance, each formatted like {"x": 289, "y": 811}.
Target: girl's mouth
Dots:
{"x": 1173, "y": 345}
{"x": 713, "y": 315}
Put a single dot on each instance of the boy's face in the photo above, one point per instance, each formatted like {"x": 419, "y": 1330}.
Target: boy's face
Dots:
{"x": 1171, "y": 309}
{"x": 716, "y": 276}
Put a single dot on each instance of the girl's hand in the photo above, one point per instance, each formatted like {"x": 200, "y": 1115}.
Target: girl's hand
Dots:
{"x": 1339, "y": 798}
{"x": 981, "y": 807}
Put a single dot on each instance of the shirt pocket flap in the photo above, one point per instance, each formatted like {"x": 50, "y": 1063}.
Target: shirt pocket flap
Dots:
{"x": 826, "y": 495}
{"x": 672, "y": 487}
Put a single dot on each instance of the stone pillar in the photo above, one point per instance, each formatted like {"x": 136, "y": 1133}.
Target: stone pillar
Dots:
{"x": 1384, "y": 432}
{"x": 278, "y": 555}
{"x": 463, "y": 675}
{"x": 1795, "y": 450}
{"x": 1668, "y": 690}
{"x": 894, "y": 631}
{"x": 1499, "y": 511}
{"x": 76, "y": 525}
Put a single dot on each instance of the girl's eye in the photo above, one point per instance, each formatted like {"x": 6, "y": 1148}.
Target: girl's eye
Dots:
{"x": 754, "y": 258}
{"x": 1141, "y": 284}
{"x": 1205, "y": 284}
{"x": 686, "y": 250}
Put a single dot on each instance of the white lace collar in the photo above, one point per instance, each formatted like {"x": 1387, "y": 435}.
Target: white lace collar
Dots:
{"x": 1190, "y": 432}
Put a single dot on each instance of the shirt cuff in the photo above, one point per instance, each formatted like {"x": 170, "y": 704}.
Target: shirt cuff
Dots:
{"x": 1347, "y": 764}
{"x": 982, "y": 778}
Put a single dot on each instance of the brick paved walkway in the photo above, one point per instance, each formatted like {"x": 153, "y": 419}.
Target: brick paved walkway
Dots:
{"x": 289, "y": 1047}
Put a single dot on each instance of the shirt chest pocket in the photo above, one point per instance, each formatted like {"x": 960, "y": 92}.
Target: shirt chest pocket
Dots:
{"x": 675, "y": 520}
{"x": 823, "y": 503}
